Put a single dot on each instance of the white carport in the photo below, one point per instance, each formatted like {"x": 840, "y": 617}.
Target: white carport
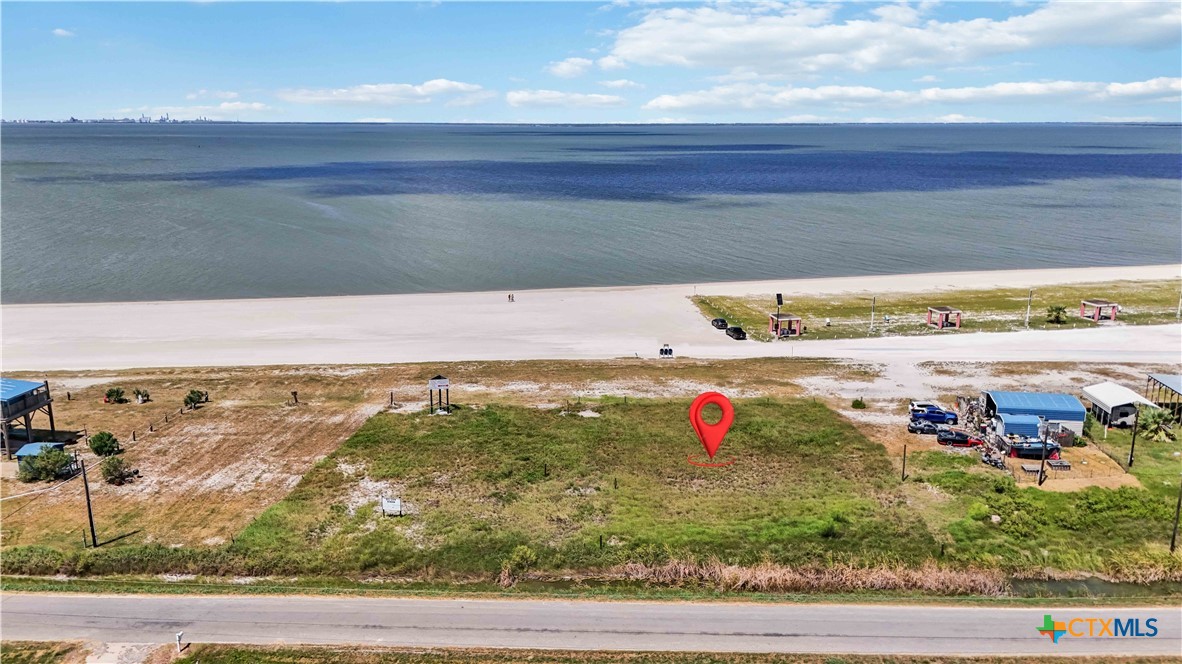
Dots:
{"x": 1113, "y": 403}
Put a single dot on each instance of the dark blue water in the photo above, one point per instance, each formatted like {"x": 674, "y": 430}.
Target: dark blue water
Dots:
{"x": 114, "y": 212}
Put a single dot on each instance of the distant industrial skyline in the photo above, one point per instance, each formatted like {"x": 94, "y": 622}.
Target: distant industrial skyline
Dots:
{"x": 572, "y": 62}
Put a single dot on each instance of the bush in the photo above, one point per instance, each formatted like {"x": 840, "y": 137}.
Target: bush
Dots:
{"x": 49, "y": 464}
{"x": 859, "y": 404}
{"x": 116, "y": 471}
{"x": 141, "y": 396}
{"x": 978, "y": 511}
{"x": 115, "y": 395}
{"x": 519, "y": 562}
{"x": 193, "y": 398}
{"x": 1057, "y": 314}
{"x": 104, "y": 444}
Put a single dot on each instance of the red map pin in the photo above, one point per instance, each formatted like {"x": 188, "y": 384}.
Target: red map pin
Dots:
{"x": 711, "y": 435}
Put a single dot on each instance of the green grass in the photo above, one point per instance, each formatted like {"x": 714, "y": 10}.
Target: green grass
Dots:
{"x": 586, "y": 495}
{"x": 214, "y": 654}
{"x": 996, "y": 310}
{"x": 37, "y": 652}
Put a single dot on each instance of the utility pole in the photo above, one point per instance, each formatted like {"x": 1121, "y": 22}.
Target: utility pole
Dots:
{"x": 904, "y": 477}
{"x": 1029, "y": 300}
{"x": 1136, "y": 425}
{"x": 1177, "y": 511}
{"x": 1042, "y": 472}
{"x": 872, "y": 300}
{"x": 89, "y": 511}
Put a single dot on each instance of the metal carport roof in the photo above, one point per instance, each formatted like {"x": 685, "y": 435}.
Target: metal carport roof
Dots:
{"x": 1049, "y": 405}
{"x": 1109, "y": 395}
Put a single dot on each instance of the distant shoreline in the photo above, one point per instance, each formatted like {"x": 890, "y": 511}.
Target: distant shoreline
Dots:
{"x": 571, "y": 323}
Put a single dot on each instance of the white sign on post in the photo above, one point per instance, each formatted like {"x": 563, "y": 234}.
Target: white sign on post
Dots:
{"x": 438, "y": 384}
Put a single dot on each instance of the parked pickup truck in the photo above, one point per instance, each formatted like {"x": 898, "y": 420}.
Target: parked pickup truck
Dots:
{"x": 934, "y": 414}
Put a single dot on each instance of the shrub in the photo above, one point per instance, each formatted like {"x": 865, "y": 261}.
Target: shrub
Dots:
{"x": 49, "y": 464}
{"x": 978, "y": 511}
{"x": 115, "y": 470}
{"x": 104, "y": 443}
{"x": 859, "y": 404}
{"x": 1057, "y": 314}
{"x": 193, "y": 398}
{"x": 141, "y": 396}
{"x": 519, "y": 562}
{"x": 115, "y": 395}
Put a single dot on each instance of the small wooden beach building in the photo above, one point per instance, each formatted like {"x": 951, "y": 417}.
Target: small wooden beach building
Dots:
{"x": 1098, "y": 310}
{"x": 942, "y": 317}
{"x": 785, "y": 325}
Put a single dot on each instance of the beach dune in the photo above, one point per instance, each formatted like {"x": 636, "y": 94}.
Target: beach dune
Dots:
{"x": 579, "y": 323}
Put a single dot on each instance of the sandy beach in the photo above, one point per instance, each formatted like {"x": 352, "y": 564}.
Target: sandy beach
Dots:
{"x": 581, "y": 323}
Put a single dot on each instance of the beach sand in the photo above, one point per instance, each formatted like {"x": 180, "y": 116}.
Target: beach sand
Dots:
{"x": 578, "y": 323}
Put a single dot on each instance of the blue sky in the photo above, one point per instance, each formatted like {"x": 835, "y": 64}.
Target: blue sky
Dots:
{"x": 595, "y": 62}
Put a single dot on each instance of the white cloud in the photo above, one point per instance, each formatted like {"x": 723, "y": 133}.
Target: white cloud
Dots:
{"x": 610, "y": 62}
{"x": 808, "y": 118}
{"x": 215, "y": 94}
{"x": 621, "y": 83}
{"x": 385, "y": 94}
{"x": 767, "y": 96}
{"x": 554, "y": 98}
{"x": 570, "y": 67}
{"x": 801, "y": 38}
{"x": 926, "y": 79}
{"x": 671, "y": 121}
{"x": 62, "y": 32}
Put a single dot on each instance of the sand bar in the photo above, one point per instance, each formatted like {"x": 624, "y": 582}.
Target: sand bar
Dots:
{"x": 577, "y": 323}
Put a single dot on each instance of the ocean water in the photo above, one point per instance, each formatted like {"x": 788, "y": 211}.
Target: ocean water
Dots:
{"x": 161, "y": 212}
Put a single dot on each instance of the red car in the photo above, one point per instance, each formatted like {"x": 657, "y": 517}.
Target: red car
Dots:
{"x": 955, "y": 438}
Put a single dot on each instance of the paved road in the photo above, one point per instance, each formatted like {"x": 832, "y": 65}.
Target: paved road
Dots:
{"x": 573, "y": 625}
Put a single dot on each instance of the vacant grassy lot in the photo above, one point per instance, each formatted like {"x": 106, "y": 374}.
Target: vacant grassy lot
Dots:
{"x": 807, "y": 489}
{"x": 308, "y": 655}
{"x": 997, "y": 310}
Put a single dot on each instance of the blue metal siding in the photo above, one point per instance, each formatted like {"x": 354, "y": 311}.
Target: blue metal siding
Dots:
{"x": 1022, "y": 425}
{"x": 1048, "y": 405}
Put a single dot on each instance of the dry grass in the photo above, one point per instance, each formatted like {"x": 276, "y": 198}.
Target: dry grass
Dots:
{"x": 770, "y": 577}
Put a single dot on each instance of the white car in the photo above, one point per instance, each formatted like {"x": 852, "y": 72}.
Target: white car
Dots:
{"x": 925, "y": 405}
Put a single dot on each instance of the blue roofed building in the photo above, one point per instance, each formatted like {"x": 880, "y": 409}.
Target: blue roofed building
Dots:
{"x": 20, "y": 401}
{"x": 1055, "y": 408}
{"x": 1009, "y": 424}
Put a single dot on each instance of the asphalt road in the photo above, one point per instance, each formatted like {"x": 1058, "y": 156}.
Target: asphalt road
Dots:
{"x": 877, "y": 629}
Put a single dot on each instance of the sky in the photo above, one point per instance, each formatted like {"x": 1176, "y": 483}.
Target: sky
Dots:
{"x": 595, "y": 62}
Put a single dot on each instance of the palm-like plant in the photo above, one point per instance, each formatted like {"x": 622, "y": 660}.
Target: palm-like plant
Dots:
{"x": 1155, "y": 424}
{"x": 1057, "y": 314}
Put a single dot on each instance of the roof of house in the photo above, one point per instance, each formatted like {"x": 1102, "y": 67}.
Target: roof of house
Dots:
{"x": 1169, "y": 380}
{"x": 945, "y": 310}
{"x": 33, "y": 449}
{"x": 785, "y": 316}
{"x": 12, "y": 389}
{"x": 1025, "y": 425}
{"x": 1109, "y": 395}
{"x": 1049, "y": 405}
{"x": 1099, "y": 303}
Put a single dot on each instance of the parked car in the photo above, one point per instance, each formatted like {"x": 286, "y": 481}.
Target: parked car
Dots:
{"x": 719, "y": 323}
{"x": 925, "y": 404}
{"x": 956, "y": 438}
{"x": 736, "y": 333}
{"x": 933, "y": 414}
{"x": 922, "y": 426}
{"x": 1033, "y": 450}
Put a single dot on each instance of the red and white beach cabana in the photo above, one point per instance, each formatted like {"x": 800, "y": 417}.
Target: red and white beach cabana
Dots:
{"x": 1098, "y": 310}
{"x": 941, "y": 317}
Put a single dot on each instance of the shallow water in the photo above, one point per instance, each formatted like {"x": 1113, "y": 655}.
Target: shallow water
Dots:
{"x": 145, "y": 212}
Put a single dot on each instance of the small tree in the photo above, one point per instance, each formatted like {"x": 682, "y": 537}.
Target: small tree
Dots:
{"x": 49, "y": 464}
{"x": 1155, "y": 424}
{"x": 104, "y": 444}
{"x": 115, "y": 395}
{"x": 141, "y": 396}
{"x": 1057, "y": 314}
{"x": 193, "y": 398}
{"x": 116, "y": 471}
